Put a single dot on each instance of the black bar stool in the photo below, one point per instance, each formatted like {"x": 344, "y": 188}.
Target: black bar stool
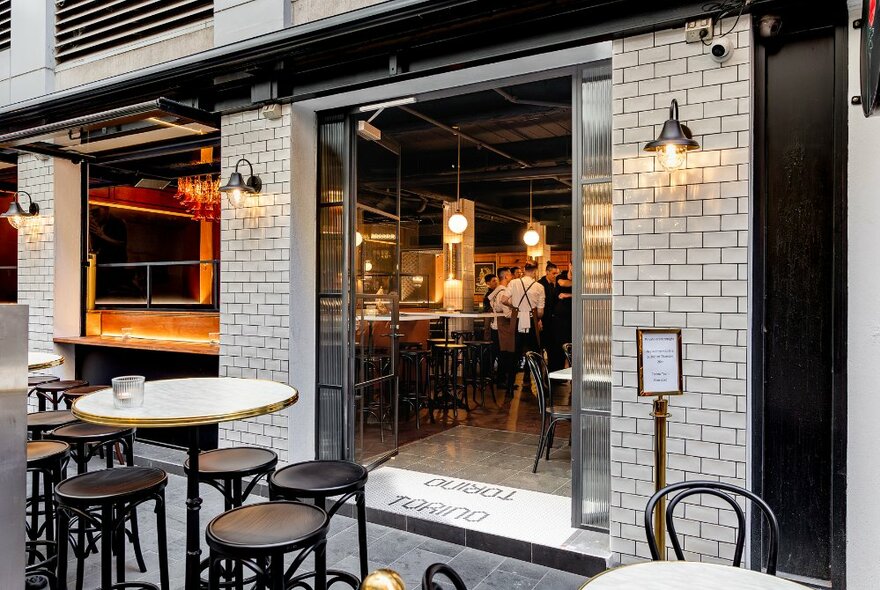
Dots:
{"x": 106, "y": 500}
{"x": 53, "y": 392}
{"x": 259, "y": 535}
{"x": 225, "y": 470}
{"x": 320, "y": 480}
{"x": 448, "y": 361}
{"x": 480, "y": 369}
{"x": 38, "y": 423}
{"x": 86, "y": 440}
{"x": 74, "y": 393}
{"x": 34, "y": 380}
{"x": 459, "y": 336}
{"x": 46, "y": 459}
{"x": 414, "y": 373}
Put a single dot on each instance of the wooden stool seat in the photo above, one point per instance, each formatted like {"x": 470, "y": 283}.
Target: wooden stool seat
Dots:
{"x": 121, "y": 483}
{"x": 61, "y": 386}
{"x": 43, "y": 421}
{"x": 234, "y": 462}
{"x": 34, "y": 380}
{"x": 40, "y": 450}
{"x": 268, "y": 526}
{"x": 319, "y": 479}
{"x": 85, "y": 431}
{"x": 77, "y": 392}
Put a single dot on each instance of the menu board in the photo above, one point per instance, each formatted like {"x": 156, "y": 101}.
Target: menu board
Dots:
{"x": 659, "y": 362}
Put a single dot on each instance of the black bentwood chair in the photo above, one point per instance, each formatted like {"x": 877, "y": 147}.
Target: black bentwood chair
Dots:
{"x": 550, "y": 415}
{"x": 566, "y": 350}
{"x": 428, "y": 582}
{"x": 725, "y": 492}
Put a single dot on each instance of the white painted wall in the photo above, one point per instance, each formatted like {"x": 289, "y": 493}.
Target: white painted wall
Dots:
{"x": 236, "y": 20}
{"x": 33, "y": 57}
{"x": 863, "y": 341}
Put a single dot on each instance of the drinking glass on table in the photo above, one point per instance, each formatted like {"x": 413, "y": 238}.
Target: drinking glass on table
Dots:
{"x": 128, "y": 391}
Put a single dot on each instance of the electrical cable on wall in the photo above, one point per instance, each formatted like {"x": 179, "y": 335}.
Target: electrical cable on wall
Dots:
{"x": 725, "y": 8}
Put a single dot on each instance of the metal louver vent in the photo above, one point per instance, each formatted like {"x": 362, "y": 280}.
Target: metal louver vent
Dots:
{"x": 5, "y": 23}
{"x": 85, "y": 27}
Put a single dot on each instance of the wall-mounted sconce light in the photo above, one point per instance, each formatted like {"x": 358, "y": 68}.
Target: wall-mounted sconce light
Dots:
{"x": 237, "y": 190}
{"x": 674, "y": 141}
{"x": 16, "y": 214}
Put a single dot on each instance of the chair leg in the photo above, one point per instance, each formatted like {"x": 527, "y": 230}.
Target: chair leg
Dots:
{"x": 107, "y": 546}
{"x": 276, "y": 575}
{"x": 136, "y": 541}
{"x": 162, "y": 543}
{"x": 48, "y": 489}
{"x": 551, "y": 431}
{"x": 33, "y": 531}
{"x": 321, "y": 565}
{"x": 213, "y": 572}
{"x": 361, "y": 502}
{"x": 119, "y": 546}
{"x": 63, "y": 541}
{"x": 541, "y": 443}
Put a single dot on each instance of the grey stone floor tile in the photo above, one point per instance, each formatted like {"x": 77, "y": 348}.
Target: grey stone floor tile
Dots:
{"x": 442, "y": 547}
{"x": 393, "y": 545}
{"x": 412, "y": 564}
{"x": 502, "y": 580}
{"x": 524, "y": 568}
{"x": 473, "y": 566}
{"x": 559, "y": 580}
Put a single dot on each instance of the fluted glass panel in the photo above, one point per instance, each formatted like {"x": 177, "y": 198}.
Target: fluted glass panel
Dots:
{"x": 595, "y": 475}
{"x": 331, "y": 422}
{"x": 596, "y": 390}
{"x": 330, "y": 250}
{"x": 596, "y": 118}
{"x": 330, "y": 337}
{"x": 596, "y": 271}
{"x": 331, "y": 161}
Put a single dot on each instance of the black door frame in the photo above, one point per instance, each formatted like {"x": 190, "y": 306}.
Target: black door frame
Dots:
{"x": 838, "y": 23}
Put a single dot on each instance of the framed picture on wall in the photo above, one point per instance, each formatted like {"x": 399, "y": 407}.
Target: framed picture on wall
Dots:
{"x": 481, "y": 269}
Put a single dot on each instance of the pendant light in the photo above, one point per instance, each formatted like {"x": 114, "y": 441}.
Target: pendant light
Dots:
{"x": 457, "y": 221}
{"x": 674, "y": 141}
{"x": 531, "y": 237}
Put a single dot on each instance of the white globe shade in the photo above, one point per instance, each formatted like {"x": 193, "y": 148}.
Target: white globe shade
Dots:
{"x": 368, "y": 266}
{"x": 457, "y": 223}
{"x": 531, "y": 237}
{"x": 358, "y": 239}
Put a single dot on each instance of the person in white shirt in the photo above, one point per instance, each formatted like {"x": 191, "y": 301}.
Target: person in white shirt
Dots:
{"x": 496, "y": 297}
{"x": 527, "y": 296}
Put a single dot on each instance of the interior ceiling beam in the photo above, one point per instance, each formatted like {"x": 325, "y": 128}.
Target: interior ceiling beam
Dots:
{"x": 510, "y": 175}
{"x": 538, "y": 103}
{"x": 165, "y": 148}
{"x": 465, "y": 136}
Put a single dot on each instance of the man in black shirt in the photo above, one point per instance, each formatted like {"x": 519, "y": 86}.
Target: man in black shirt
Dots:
{"x": 491, "y": 284}
{"x": 555, "y": 358}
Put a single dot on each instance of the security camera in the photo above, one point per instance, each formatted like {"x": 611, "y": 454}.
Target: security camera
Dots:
{"x": 720, "y": 49}
{"x": 769, "y": 26}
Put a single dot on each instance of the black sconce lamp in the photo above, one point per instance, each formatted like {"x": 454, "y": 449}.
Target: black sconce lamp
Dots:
{"x": 674, "y": 141}
{"x": 16, "y": 214}
{"x": 237, "y": 190}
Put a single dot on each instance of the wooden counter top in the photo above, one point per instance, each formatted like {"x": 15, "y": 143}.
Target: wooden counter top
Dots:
{"x": 144, "y": 344}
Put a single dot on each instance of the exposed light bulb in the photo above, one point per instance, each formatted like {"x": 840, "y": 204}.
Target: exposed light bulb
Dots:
{"x": 16, "y": 221}
{"x": 457, "y": 223}
{"x": 358, "y": 239}
{"x": 531, "y": 237}
{"x": 671, "y": 157}
{"x": 237, "y": 198}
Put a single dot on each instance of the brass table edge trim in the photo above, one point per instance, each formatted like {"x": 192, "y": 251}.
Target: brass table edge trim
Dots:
{"x": 176, "y": 422}
{"x": 53, "y": 363}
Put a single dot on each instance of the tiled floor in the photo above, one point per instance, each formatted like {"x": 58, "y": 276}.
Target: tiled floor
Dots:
{"x": 491, "y": 456}
{"x": 405, "y": 552}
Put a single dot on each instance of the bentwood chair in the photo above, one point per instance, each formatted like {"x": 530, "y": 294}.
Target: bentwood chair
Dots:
{"x": 566, "y": 349}
{"x": 551, "y": 415}
{"x": 428, "y": 582}
{"x": 724, "y": 492}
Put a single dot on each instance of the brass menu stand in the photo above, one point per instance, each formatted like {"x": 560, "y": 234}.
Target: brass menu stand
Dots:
{"x": 189, "y": 403}
{"x": 660, "y": 375}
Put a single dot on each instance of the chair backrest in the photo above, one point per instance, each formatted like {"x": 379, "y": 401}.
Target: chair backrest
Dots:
{"x": 725, "y": 492}
{"x": 538, "y": 371}
{"x": 566, "y": 348}
{"x": 441, "y": 568}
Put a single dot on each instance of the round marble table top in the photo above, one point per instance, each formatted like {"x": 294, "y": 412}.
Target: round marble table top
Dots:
{"x": 189, "y": 402}
{"x": 682, "y": 575}
{"x": 43, "y": 360}
{"x": 561, "y": 374}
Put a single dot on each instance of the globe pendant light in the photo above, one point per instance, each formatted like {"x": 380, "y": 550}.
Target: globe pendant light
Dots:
{"x": 531, "y": 237}
{"x": 458, "y": 223}
{"x": 674, "y": 141}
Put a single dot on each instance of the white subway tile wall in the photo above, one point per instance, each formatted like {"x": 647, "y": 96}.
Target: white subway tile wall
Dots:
{"x": 255, "y": 271}
{"x": 680, "y": 260}
{"x": 36, "y": 250}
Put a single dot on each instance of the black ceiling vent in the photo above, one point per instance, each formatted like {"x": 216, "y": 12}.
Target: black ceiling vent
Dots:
{"x": 5, "y": 23}
{"x": 86, "y": 27}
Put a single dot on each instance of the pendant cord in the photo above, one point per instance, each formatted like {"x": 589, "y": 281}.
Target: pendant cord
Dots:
{"x": 458, "y": 175}
{"x": 530, "y": 203}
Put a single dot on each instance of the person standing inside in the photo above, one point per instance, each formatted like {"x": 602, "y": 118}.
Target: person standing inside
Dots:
{"x": 562, "y": 312}
{"x": 527, "y": 296}
{"x": 549, "y": 338}
{"x": 491, "y": 284}
{"x": 496, "y": 297}
{"x": 516, "y": 272}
